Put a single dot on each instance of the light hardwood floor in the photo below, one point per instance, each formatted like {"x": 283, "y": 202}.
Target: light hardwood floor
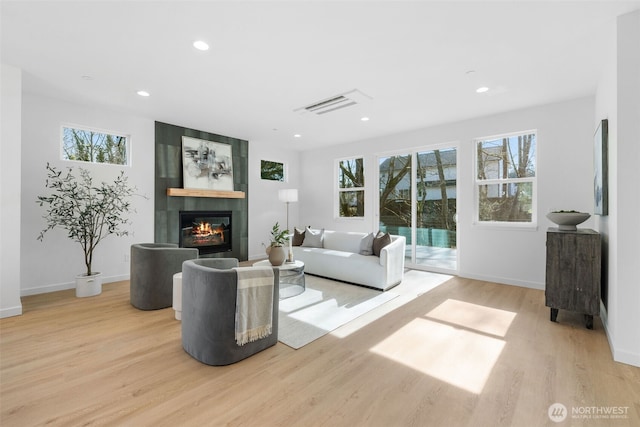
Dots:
{"x": 467, "y": 353}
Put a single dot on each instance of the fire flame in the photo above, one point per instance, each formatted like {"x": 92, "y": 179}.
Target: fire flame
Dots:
{"x": 205, "y": 229}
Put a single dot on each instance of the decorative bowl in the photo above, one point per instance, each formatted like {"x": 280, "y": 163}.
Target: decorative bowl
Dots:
{"x": 567, "y": 221}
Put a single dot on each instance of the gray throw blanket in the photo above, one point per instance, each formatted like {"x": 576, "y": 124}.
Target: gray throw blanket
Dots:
{"x": 254, "y": 304}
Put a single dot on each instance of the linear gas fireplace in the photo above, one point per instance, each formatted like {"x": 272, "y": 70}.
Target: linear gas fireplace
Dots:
{"x": 208, "y": 231}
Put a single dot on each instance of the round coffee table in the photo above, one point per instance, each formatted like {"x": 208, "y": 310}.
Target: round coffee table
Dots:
{"x": 291, "y": 277}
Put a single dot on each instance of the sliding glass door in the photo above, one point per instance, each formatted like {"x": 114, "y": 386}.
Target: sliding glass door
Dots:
{"x": 418, "y": 195}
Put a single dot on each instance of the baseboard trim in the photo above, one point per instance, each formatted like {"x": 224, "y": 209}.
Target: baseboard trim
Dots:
{"x": 503, "y": 281}
{"x": 617, "y": 354}
{"x": 604, "y": 317}
{"x": 626, "y": 357}
{"x": 11, "y": 311}
{"x": 67, "y": 285}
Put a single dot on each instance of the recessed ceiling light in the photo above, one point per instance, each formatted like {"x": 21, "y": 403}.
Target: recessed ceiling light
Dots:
{"x": 86, "y": 77}
{"x": 482, "y": 89}
{"x": 364, "y": 119}
{"x": 200, "y": 45}
{"x": 297, "y": 135}
{"x": 143, "y": 93}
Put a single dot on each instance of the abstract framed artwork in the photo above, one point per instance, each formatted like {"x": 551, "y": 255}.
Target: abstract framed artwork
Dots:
{"x": 206, "y": 165}
{"x": 601, "y": 170}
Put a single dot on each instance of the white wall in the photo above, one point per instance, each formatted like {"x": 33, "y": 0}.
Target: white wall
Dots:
{"x": 618, "y": 100}
{"x": 264, "y": 207}
{"x": 10, "y": 143}
{"x": 628, "y": 204}
{"x": 53, "y": 264}
{"x": 59, "y": 258}
{"x": 512, "y": 256}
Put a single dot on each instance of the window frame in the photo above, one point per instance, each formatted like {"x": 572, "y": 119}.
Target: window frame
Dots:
{"x": 339, "y": 190}
{"x": 128, "y": 154}
{"x": 477, "y": 183}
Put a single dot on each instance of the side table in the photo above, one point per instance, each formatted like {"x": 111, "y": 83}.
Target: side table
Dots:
{"x": 177, "y": 295}
{"x": 573, "y": 273}
{"x": 291, "y": 277}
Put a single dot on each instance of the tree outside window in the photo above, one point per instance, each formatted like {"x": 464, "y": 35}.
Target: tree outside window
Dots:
{"x": 351, "y": 188}
{"x": 506, "y": 177}
{"x": 92, "y": 146}
{"x": 395, "y": 189}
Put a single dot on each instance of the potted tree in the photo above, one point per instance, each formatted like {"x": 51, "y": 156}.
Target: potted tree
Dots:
{"x": 88, "y": 213}
{"x": 275, "y": 251}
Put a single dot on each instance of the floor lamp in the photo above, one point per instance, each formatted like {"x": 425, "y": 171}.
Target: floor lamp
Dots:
{"x": 288, "y": 195}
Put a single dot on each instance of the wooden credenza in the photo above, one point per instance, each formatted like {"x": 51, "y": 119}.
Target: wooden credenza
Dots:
{"x": 573, "y": 273}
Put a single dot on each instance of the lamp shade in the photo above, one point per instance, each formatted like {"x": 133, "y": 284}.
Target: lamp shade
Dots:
{"x": 288, "y": 195}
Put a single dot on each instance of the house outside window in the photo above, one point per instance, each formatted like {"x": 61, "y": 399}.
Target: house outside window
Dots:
{"x": 351, "y": 188}
{"x": 506, "y": 179}
{"x": 94, "y": 146}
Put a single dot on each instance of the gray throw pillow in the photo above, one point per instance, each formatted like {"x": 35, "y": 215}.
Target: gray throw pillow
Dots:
{"x": 380, "y": 241}
{"x": 313, "y": 238}
{"x": 298, "y": 237}
{"x": 366, "y": 244}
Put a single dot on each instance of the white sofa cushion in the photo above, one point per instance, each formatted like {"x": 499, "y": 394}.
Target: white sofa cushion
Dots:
{"x": 366, "y": 244}
{"x": 343, "y": 241}
{"x": 340, "y": 259}
{"x": 313, "y": 238}
{"x": 341, "y": 265}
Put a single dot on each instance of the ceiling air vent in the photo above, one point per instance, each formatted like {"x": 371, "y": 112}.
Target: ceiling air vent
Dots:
{"x": 334, "y": 103}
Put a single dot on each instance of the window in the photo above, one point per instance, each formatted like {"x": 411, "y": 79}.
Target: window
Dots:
{"x": 93, "y": 146}
{"x": 506, "y": 178}
{"x": 272, "y": 171}
{"x": 351, "y": 188}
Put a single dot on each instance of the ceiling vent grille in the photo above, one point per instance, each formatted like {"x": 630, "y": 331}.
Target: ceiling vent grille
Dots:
{"x": 334, "y": 103}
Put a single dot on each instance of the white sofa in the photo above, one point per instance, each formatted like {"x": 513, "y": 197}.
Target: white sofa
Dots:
{"x": 339, "y": 259}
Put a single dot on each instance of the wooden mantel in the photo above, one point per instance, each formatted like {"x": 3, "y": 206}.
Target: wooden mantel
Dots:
{"x": 191, "y": 192}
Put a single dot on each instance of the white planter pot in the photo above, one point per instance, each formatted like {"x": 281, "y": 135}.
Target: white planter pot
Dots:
{"x": 88, "y": 286}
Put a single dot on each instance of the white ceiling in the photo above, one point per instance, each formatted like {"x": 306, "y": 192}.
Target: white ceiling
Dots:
{"x": 268, "y": 58}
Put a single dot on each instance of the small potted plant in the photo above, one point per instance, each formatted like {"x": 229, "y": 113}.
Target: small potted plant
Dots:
{"x": 88, "y": 213}
{"x": 275, "y": 250}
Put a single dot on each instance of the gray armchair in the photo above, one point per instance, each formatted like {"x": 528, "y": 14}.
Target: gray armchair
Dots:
{"x": 209, "y": 294}
{"x": 152, "y": 268}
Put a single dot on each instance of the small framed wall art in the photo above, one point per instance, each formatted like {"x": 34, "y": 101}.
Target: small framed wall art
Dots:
{"x": 272, "y": 171}
{"x": 601, "y": 169}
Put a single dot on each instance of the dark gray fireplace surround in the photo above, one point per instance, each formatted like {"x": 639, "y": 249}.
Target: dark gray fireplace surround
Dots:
{"x": 168, "y": 174}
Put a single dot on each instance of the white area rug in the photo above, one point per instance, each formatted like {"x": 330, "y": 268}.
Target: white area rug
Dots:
{"x": 324, "y": 306}
{"x": 327, "y": 305}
